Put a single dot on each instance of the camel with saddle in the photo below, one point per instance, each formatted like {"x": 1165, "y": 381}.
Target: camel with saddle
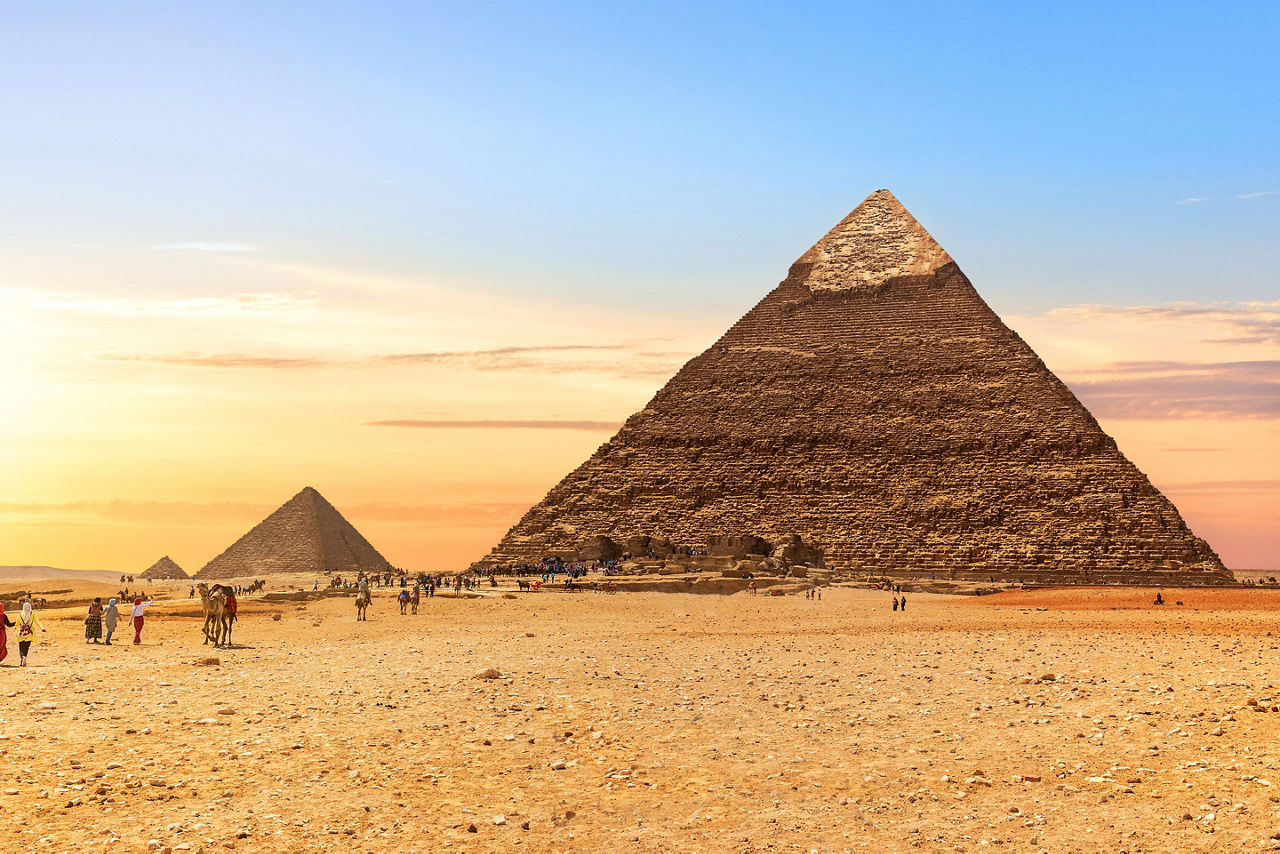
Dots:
{"x": 219, "y": 612}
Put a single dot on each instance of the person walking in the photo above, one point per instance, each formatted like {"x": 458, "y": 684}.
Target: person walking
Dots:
{"x": 4, "y": 621}
{"x": 29, "y": 627}
{"x": 93, "y": 622}
{"x": 139, "y": 607}
{"x": 110, "y": 619}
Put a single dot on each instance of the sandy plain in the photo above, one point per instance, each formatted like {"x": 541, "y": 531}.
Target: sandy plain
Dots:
{"x": 1048, "y": 720}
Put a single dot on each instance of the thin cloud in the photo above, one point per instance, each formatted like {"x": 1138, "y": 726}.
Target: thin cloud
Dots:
{"x": 501, "y": 425}
{"x": 207, "y": 247}
{"x": 1197, "y": 450}
{"x": 1229, "y": 486}
{"x": 1247, "y": 323}
{"x": 218, "y": 360}
{"x": 1191, "y": 201}
{"x": 1258, "y": 195}
{"x": 536, "y": 359}
{"x": 240, "y": 515}
{"x": 1167, "y": 390}
{"x": 245, "y": 303}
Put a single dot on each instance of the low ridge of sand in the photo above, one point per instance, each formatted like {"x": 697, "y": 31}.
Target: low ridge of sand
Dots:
{"x": 656, "y": 722}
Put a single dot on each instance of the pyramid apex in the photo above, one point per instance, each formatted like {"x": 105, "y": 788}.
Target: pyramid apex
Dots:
{"x": 878, "y": 241}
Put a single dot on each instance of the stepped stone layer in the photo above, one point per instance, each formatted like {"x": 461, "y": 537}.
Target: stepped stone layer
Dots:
{"x": 875, "y": 405}
{"x": 305, "y": 535}
{"x": 164, "y": 568}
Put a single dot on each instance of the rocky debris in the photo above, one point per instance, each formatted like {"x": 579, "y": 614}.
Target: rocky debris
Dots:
{"x": 489, "y": 673}
{"x": 719, "y": 545}
{"x": 598, "y": 547}
{"x": 306, "y": 534}
{"x": 875, "y": 405}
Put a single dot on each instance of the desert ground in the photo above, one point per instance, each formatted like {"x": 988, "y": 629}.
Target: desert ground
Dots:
{"x": 1054, "y": 720}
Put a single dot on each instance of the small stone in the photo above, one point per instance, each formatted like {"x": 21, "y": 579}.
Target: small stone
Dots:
{"x": 499, "y": 820}
{"x": 524, "y": 825}
{"x": 489, "y": 673}
{"x": 471, "y": 828}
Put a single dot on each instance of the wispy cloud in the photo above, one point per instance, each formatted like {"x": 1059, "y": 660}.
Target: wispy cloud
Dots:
{"x": 535, "y": 359}
{"x": 1168, "y": 390}
{"x": 1246, "y": 323}
{"x": 1257, "y": 195}
{"x": 1228, "y": 486}
{"x": 1191, "y": 201}
{"x": 501, "y": 425}
{"x": 207, "y": 247}
{"x": 217, "y": 360}
{"x": 236, "y": 516}
{"x": 245, "y": 303}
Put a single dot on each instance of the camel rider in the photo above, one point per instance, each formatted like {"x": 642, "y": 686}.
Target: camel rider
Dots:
{"x": 364, "y": 584}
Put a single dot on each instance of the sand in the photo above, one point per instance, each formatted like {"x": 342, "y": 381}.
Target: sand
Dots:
{"x": 1056, "y": 721}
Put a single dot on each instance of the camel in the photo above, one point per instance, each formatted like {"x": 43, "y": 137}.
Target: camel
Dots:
{"x": 219, "y": 613}
{"x": 362, "y": 605}
{"x": 212, "y": 616}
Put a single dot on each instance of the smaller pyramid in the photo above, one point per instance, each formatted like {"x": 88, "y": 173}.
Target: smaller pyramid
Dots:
{"x": 307, "y": 534}
{"x": 164, "y": 568}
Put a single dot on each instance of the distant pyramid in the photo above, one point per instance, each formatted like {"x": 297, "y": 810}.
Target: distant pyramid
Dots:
{"x": 873, "y": 404}
{"x": 305, "y": 535}
{"x": 164, "y": 568}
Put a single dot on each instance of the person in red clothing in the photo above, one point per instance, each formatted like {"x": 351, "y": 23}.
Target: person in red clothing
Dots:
{"x": 4, "y": 636}
{"x": 138, "y": 608}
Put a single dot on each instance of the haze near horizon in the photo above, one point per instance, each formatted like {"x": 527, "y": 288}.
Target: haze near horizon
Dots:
{"x": 427, "y": 258}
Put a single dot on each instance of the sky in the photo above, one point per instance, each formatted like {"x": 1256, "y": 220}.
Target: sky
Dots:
{"x": 425, "y": 257}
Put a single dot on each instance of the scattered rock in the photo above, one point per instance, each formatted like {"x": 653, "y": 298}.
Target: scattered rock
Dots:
{"x": 489, "y": 673}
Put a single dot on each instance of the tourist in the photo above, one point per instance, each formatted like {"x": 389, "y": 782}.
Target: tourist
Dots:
{"x": 93, "y": 622}
{"x": 4, "y": 621}
{"x": 28, "y": 626}
{"x": 136, "y": 617}
{"x": 110, "y": 618}
{"x": 895, "y": 603}
{"x": 902, "y": 606}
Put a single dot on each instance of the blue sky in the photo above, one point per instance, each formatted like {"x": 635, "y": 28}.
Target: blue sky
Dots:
{"x": 235, "y": 235}
{"x": 664, "y": 151}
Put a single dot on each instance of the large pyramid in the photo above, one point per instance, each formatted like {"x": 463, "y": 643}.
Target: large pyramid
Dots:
{"x": 164, "y": 568}
{"x": 305, "y": 535}
{"x": 873, "y": 404}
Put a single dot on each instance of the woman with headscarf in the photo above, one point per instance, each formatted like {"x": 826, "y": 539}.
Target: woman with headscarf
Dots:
{"x": 136, "y": 615}
{"x": 29, "y": 628}
{"x": 4, "y": 621}
{"x": 93, "y": 622}
{"x": 110, "y": 618}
